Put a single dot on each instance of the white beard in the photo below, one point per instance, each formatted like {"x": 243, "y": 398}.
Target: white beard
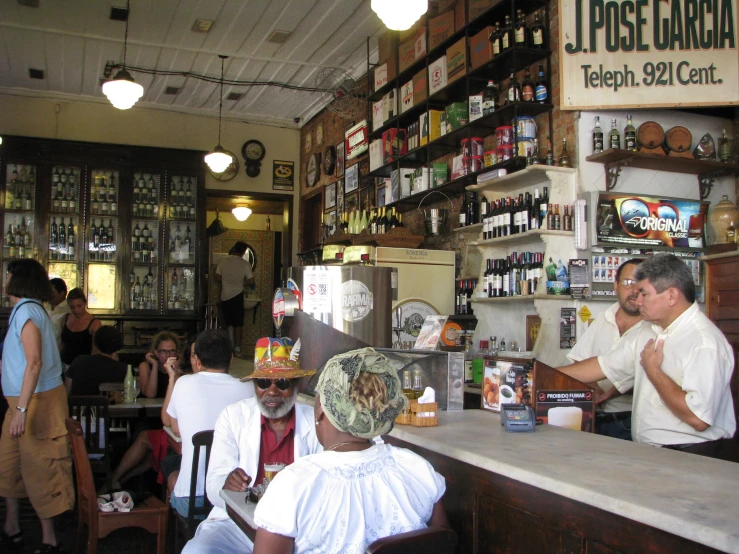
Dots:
{"x": 280, "y": 411}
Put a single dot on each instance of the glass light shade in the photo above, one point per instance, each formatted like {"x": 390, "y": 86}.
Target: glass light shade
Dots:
{"x": 218, "y": 161}
{"x": 241, "y": 213}
{"x": 399, "y": 16}
{"x": 123, "y": 92}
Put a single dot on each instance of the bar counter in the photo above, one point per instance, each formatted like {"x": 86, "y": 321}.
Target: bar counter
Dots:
{"x": 558, "y": 490}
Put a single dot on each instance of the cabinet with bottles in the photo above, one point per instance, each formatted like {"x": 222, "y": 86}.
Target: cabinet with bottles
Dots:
{"x": 143, "y": 288}
{"x": 101, "y": 267}
{"x": 64, "y": 231}
{"x": 180, "y": 242}
{"x": 181, "y": 288}
{"x": 19, "y": 216}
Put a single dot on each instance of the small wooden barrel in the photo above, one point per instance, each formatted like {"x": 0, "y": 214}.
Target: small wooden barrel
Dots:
{"x": 650, "y": 135}
{"x": 678, "y": 139}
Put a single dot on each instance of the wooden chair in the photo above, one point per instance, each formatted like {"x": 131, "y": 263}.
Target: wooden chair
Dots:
{"x": 114, "y": 392}
{"x": 432, "y": 540}
{"x": 203, "y": 439}
{"x": 92, "y": 414}
{"x": 150, "y": 514}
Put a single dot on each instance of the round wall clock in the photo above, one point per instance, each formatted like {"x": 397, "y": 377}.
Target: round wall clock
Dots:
{"x": 329, "y": 160}
{"x": 314, "y": 170}
{"x": 253, "y": 152}
{"x": 308, "y": 142}
{"x": 319, "y": 135}
{"x": 230, "y": 172}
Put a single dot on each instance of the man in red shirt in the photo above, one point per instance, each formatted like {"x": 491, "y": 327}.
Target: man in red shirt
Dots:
{"x": 266, "y": 429}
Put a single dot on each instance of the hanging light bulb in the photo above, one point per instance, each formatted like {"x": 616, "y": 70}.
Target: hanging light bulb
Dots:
{"x": 399, "y": 16}
{"x": 123, "y": 92}
{"x": 218, "y": 160}
{"x": 241, "y": 213}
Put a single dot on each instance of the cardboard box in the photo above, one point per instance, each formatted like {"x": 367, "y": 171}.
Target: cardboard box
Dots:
{"x": 437, "y": 75}
{"x": 420, "y": 86}
{"x": 420, "y": 179}
{"x": 400, "y": 184}
{"x": 390, "y": 104}
{"x": 478, "y": 7}
{"x": 412, "y": 32}
{"x": 378, "y": 114}
{"x": 406, "y": 175}
{"x": 407, "y": 55}
{"x": 384, "y": 73}
{"x": 430, "y": 126}
{"x": 394, "y": 144}
{"x": 441, "y": 174}
{"x": 375, "y": 154}
{"x": 475, "y": 107}
{"x": 456, "y": 60}
{"x": 443, "y": 127}
{"x": 459, "y": 169}
{"x": 444, "y": 5}
{"x": 420, "y": 43}
{"x": 460, "y": 17}
{"x": 387, "y": 44}
{"x": 441, "y": 28}
{"x": 457, "y": 115}
{"x": 481, "y": 49}
{"x": 406, "y": 96}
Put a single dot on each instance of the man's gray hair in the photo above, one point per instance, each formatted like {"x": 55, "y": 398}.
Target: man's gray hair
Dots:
{"x": 666, "y": 271}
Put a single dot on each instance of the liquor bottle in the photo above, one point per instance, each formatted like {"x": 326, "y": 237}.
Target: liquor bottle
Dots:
{"x": 537, "y": 32}
{"x": 93, "y": 239}
{"x": 724, "y": 148}
{"x": 471, "y": 284}
{"x": 461, "y": 299}
{"x": 629, "y": 135}
{"x": 550, "y": 154}
{"x": 109, "y": 232}
{"x": 62, "y": 240}
{"x": 535, "y": 211}
{"x": 557, "y": 218}
{"x": 567, "y": 220}
{"x": 489, "y": 98}
{"x": 469, "y": 376}
{"x": 55, "y": 176}
{"x": 496, "y": 37}
{"x": 103, "y": 193}
{"x": 542, "y": 86}
{"x": 65, "y": 203}
{"x": 56, "y": 202}
{"x": 145, "y": 230}
{"x": 514, "y": 89}
{"x": 528, "y": 90}
{"x": 188, "y": 193}
{"x": 363, "y": 221}
{"x": 174, "y": 283}
{"x": 614, "y": 137}
{"x": 564, "y": 157}
{"x": 516, "y": 209}
{"x": 400, "y": 220}
{"x": 472, "y": 209}
{"x": 128, "y": 386}
{"x": 506, "y": 40}
{"x": 520, "y": 31}
{"x": 95, "y": 205}
{"x": 524, "y": 215}
{"x": 72, "y": 203}
{"x": 534, "y": 158}
{"x": 544, "y": 209}
{"x": 597, "y": 136}
{"x": 70, "y": 240}
{"x": 104, "y": 251}
{"x": 486, "y": 279}
{"x": 408, "y": 385}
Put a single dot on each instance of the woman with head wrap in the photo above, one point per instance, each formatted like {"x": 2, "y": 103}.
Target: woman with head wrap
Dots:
{"x": 355, "y": 491}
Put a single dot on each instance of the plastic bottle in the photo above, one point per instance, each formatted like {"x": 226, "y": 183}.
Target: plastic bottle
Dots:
{"x": 128, "y": 385}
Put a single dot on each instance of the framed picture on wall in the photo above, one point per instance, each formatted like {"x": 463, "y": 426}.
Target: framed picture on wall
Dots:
{"x": 329, "y": 196}
{"x": 380, "y": 196}
{"x": 367, "y": 198}
{"x": 351, "y": 202}
{"x": 330, "y": 218}
{"x": 340, "y": 159}
{"x": 352, "y": 178}
{"x": 340, "y": 195}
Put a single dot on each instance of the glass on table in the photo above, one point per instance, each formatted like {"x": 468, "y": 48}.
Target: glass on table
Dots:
{"x": 136, "y": 389}
{"x": 271, "y": 469}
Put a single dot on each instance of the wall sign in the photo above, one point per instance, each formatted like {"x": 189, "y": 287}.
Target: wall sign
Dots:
{"x": 283, "y": 175}
{"x": 357, "y": 140}
{"x": 648, "y": 53}
{"x": 650, "y": 221}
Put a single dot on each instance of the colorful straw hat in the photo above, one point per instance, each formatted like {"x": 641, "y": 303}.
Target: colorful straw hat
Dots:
{"x": 277, "y": 359}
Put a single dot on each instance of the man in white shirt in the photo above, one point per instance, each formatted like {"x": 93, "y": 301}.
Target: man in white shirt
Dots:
{"x": 197, "y": 401}
{"x": 234, "y": 273}
{"x": 268, "y": 428}
{"x": 613, "y": 418}
{"x": 679, "y": 366}
{"x": 59, "y": 306}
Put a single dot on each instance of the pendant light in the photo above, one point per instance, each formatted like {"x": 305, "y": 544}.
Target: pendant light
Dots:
{"x": 399, "y": 16}
{"x": 241, "y": 213}
{"x": 123, "y": 92}
{"x": 217, "y": 160}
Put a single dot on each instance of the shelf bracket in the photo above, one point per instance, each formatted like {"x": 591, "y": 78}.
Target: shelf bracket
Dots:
{"x": 705, "y": 182}
{"x": 613, "y": 171}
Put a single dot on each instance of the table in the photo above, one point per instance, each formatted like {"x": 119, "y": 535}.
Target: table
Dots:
{"x": 173, "y": 440}
{"x": 144, "y": 407}
{"x": 240, "y": 511}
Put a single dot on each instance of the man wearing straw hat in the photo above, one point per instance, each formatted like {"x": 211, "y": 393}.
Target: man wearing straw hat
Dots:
{"x": 252, "y": 432}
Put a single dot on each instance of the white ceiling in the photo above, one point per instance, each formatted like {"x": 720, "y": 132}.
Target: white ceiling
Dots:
{"x": 71, "y": 41}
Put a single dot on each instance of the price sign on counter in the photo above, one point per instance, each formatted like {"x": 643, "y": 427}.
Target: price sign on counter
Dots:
{"x": 317, "y": 292}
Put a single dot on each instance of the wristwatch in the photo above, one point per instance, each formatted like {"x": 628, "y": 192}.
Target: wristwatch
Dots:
{"x": 21, "y": 410}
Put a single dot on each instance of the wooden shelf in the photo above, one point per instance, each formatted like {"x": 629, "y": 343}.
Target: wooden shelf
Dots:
{"x": 527, "y": 298}
{"x": 469, "y": 229}
{"x": 531, "y": 175}
{"x": 521, "y": 238}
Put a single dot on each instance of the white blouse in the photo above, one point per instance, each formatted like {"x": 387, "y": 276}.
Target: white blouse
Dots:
{"x": 340, "y": 502}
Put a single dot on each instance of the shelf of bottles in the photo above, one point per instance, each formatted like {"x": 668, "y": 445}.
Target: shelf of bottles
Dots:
{"x": 181, "y": 288}
{"x": 146, "y": 195}
{"x": 18, "y": 239}
{"x": 180, "y": 237}
{"x": 143, "y": 288}
{"x": 182, "y": 195}
{"x": 102, "y": 243}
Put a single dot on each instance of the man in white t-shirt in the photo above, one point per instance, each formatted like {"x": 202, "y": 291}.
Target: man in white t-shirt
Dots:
{"x": 197, "y": 401}
{"x": 234, "y": 273}
{"x": 679, "y": 366}
{"x": 613, "y": 418}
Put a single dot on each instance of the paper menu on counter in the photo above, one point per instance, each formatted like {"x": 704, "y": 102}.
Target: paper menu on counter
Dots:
{"x": 430, "y": 333}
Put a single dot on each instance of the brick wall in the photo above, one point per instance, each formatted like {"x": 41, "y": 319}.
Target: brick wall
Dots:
{"x": 564, "y": 127}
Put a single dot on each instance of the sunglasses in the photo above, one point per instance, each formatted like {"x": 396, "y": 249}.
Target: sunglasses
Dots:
{"x": 282, "y": 384}
{"x": 170, "y": 352}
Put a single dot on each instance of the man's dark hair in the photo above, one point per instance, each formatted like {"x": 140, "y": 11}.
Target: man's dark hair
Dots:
{"x": 28, "y": 279}
{"x": 666, "y": 271}
{"x": 59, "y": 285}
{"x": 213, "y": 349}
{"x": 76, "y": 294}
{"x": 620, "y": 270}
{"x": 108, "y": 339}
{"x": 239, "y": 248}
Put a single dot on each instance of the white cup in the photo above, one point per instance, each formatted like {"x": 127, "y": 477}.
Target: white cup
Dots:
{"x": 566, "y": 416}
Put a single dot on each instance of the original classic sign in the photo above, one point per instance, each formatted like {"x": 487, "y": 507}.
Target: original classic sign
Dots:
{"x": 648, "y": 53}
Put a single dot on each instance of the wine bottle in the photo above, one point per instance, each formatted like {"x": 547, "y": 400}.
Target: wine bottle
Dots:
{"x": 597, "y": 136}
{"x": 506, "y": 40}
{"x": 520, "y": 32}
{"x": 614, "y": 137}
{"x": 537, "y": 32}
{"x": 629, "y": 135}
{"x": 564, "y": 157}
{"x": 496, "y": 38}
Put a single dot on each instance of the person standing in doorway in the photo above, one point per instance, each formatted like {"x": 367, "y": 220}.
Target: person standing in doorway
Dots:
{"x": 234, "y": 273}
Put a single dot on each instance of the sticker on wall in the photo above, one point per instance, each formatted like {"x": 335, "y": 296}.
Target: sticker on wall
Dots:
{"x": 278, "y": 308}
{"x": 283, "y": 175}
{"x": 293, "y": 286}
{"x": 356, "y": 300}
{"x": 317, "y": 285}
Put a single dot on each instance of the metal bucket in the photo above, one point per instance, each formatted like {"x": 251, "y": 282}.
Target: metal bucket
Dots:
{"x": 435, "y": 218}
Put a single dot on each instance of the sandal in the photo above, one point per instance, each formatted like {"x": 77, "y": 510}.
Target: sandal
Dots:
{"x": 48, "y": 549}
{"x": 11, "y": 542}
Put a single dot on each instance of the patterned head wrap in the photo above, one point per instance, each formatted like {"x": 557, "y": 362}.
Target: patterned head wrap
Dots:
{"x": 334, "y": 386}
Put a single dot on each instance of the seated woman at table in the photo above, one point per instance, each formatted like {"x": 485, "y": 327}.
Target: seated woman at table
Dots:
{"x": 152, "y": 375}
{"x": 78, "y": 328}
{"x": 355, "y": 491}
{"x": 151, "y": 450}
{"x": 86, "y": 373}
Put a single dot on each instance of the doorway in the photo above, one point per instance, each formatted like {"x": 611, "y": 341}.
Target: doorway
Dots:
{"x": 268, "y": 235}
